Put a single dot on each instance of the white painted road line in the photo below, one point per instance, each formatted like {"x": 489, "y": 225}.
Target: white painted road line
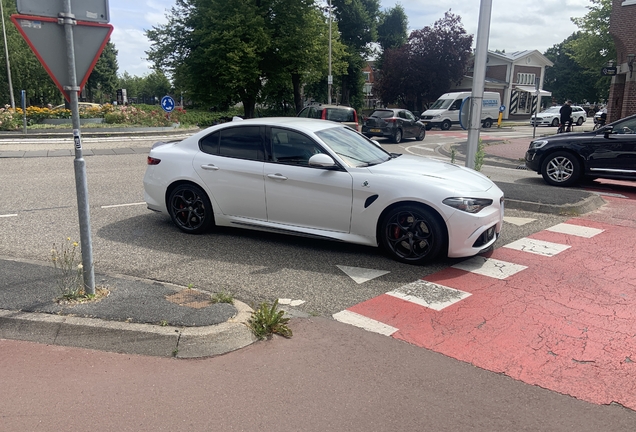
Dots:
{"x": 518, "y": 221}
{"x": 575, "y": 230}
{"x": 490, "y": 267}
{"x": 361, "y": 275}
{"x": 429, "y": 294}
{"x": 538, "y": 247}
{"x": 348, "y": 317}
{"x": 8, "y": 215}
{"x": 123, "y": 205}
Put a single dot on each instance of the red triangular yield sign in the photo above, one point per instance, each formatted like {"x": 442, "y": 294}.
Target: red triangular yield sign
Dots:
{"x": 47, "y": 39}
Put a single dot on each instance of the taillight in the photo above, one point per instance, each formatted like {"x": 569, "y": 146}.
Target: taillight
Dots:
{"x": 323, "y": 114}
{"x": 153, "y": 161}
{"x": 390, "y": 120}
{"x": 355, "y": 116}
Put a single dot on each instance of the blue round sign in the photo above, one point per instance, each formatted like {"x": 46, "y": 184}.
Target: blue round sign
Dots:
{"x": 167, "y": 103}
{"x": 502, "y": 108}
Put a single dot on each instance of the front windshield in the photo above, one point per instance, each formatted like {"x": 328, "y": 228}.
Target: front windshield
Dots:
{"x": 441, "y": 104}
{"x": 354, "y": 149}
{"x": 552, "y": 110}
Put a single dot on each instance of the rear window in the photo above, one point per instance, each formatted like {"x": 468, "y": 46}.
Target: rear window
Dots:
{"x": 382, "y": 113}
{"x": 340, "y": 115}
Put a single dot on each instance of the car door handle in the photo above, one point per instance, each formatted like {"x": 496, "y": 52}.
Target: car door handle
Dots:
{"x": 277, "y": 176}
{"x": 210, "y": 167}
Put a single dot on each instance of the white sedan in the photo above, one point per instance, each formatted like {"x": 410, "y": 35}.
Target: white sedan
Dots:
{"x": 322, "y": 179}
{"x": 552, "y": 116}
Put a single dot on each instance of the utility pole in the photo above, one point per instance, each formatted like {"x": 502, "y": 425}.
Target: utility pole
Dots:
{"x": 329, "y": 77}
{"x": 479, "y": 78}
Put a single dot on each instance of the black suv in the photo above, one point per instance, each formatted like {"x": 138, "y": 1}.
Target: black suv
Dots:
{"x": 608, "y": 152}
{"x": 393, "y": 123}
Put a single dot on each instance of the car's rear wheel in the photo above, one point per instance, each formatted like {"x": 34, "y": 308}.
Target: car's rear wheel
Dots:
{"x": 446, "y": 125}
{"x": 397, "y": 137}
{"x": 579, "y": 122}
{"x": 487, "y": 123}
{"x": 420, "y": 135}
{"x": 411, "y": 234}
{"x": 556, "y": 122}
{"x": 190, "y": 209}
{"x": 561, "y": 169}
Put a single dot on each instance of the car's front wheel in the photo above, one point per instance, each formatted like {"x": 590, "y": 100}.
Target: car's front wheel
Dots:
{"x": 420, "y": 135}
{"x": 556, "y": 122}
{"x": 397, "y": 137}
{"x": 561, "y": 169}
{"x": 190, "y": 209}
{"x": 411, "y": 234}
{"x": 446, "y": 125}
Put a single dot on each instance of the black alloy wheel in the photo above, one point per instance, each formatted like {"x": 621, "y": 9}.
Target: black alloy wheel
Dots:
{"x": 561, "y": 169}
{"x": 190, "y": 209}
{"x": 411, "y": 234}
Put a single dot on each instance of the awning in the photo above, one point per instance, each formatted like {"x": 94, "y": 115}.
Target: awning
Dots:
{"x": 530, "y": 89}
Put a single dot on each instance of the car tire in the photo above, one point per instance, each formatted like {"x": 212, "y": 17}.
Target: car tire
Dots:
{"x": 446, "y": 125}
{"x": 190, "y": 209}
{"x": 412, "y": 234}
{"x": 556, "y": 122}
{"x": 579, "y": 122}
{"x": 420, "y": 135}
{"x": 487, "y": 123}
{"x": 397, "y": 137}
{"x": 429, "y": 127}
{"x": 561, "y": 168}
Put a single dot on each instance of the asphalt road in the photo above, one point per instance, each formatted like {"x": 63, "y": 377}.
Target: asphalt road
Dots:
{"x": 128, "y": 239}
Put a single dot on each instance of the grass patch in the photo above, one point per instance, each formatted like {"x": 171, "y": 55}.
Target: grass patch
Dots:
{"x": 222, "y": 297}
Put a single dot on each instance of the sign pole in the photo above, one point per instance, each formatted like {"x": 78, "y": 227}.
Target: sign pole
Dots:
{"x": 81, "y": 185}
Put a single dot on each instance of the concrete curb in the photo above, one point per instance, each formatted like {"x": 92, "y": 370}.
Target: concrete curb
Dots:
{"x": 130, "y": 338}
{"x": 587, "y": 205}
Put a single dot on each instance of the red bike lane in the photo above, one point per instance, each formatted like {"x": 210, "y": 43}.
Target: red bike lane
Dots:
{"x": 556, "y": 309}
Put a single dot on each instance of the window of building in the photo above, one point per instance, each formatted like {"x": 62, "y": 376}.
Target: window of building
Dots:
{"x": 526, "y": 78}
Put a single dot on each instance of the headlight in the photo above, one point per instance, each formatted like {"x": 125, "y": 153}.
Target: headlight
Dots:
{"x": 437, "y": 116}
{"x": 538, "y": 144}
{"x": 469, "y": 205}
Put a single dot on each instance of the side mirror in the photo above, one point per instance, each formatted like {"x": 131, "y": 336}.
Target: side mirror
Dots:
{"x": 322, "y": 160}
{"x": 607, "y": 130}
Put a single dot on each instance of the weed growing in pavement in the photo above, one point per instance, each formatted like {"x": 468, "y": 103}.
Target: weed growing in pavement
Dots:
{"x": 453, "y": 154}
{"x": 70, "y": 273}
{"x": 266, "y": 321}
{"x": 479, "y": 156}
{"x": 222, "y": 297}
{"x": 67, "y": 261}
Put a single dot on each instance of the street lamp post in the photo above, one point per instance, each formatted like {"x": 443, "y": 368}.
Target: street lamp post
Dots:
{"x": 6, "y": 54}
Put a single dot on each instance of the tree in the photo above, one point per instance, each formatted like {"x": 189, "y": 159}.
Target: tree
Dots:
{"x": 357, "y": 20}
{"x": 102, "y": 83}
{"x": 567, "y": 79}
{"x": 594, "y": 45}
{"x": 433, "y": 59}
{"x": 392, "y": 28}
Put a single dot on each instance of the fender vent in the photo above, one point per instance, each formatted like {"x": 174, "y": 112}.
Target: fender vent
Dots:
{"x": 370, "y": 200}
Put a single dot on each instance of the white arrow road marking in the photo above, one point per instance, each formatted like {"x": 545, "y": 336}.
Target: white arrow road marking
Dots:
{"x": 361, "y": 275}
{"x": 518, "y": 221}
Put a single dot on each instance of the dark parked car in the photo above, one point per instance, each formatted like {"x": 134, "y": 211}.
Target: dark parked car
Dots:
{"x": 608, "y": 152}
{"x": 394, "y": 124}
{"x": 338, "y": 113}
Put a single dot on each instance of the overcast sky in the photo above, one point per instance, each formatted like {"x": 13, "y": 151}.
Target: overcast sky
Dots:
{"x": 515, "y": 25}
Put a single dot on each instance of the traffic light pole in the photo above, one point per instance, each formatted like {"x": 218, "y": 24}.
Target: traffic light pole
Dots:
{"x": 81, "y": 184}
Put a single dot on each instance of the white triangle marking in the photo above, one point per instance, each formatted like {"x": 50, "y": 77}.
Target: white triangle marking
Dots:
{"x": 361, "y": 275}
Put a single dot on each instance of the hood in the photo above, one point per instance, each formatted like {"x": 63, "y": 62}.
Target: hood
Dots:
{"x": 434, "y": 112}
{"x": 432, "y": 170}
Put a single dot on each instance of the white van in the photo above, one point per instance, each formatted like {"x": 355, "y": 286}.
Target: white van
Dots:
{"x": 445, "y": 111}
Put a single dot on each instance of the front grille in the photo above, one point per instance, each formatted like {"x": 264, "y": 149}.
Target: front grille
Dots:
{"x": 427, "y": 117}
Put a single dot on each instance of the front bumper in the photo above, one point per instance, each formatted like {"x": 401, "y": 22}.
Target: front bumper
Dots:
{"x": 532, "y": 160}
{"x": 469, "y": 234}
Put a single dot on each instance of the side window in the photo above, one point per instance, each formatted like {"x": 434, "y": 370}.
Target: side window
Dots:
{"x": 409, "y": 115}
{"x": 242, "y": 142}
{"x": 457, "y": 104}
{"x": 626, "y": 127}
{"x": 292, "y": 148}
{"x": 210, "y": 143}
{"x": 402, "y": 114}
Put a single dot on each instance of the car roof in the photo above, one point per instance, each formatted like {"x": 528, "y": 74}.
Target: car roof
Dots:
{"x": 301, "y": 123}
{"x": 329, "y": 106}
